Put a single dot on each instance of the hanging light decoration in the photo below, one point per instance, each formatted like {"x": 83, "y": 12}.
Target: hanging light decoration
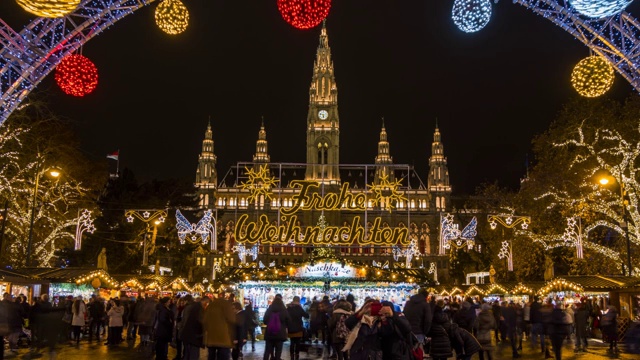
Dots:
{"x": 304, "y": 14}
{"x": 598, "y": 9}
{"x": 471, "y": 15}
{"x": 76, "y": 75}
{"x": 172, "y": 17}
{"x": 49, "y": 8}
{"x": 593, "y": 76}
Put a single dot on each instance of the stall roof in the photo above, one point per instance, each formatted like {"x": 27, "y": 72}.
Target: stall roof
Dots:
{"x": 601, "y": 282}
{"x": 148, "y": 280}
{"x": 12, "y": 276}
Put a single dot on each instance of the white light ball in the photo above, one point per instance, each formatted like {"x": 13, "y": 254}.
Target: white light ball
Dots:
{"x": 471, "y": 15}
{"x": 598, "y": 9}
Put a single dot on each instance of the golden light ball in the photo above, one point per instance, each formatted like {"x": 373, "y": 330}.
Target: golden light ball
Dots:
{"x": 593, "y": 76}
{"x": 49, "y": 8}
{"x": 172, "y": 17}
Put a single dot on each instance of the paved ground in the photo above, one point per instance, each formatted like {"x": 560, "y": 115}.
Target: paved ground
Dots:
{"x": 133, "y": 350}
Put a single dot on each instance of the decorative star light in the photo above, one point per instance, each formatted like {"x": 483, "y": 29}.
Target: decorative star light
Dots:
{"x": 130, "y": 218}
{"x": 433, "y": 269}
{"x": 146, "y": 214}
{"x": 450, "y": 233}
{"x": 598, "y": 9}
{"x": 408, "y": 253}
{"x": 259, "y": 183}
{"x": 161, "y": 219}
{"x": 506, "y": 252}
{"x": 244, "y": 252}
{"x": 204, "y": 230}
{"x": 85, "y": 223}
{"x": 387, "y": 192}
{"x": 471, "y": 15}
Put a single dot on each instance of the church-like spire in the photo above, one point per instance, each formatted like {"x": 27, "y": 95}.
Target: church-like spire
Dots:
{"x": 323, "y": 124}
{"x": 206, "y": 174}
{"x": 261, "y": 155}
{"x": 438, "y": 182}
{"x": 383, "y": 159}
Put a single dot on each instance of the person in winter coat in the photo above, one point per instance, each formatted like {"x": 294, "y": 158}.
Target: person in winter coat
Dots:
{"x": 418, "y": 313}
{"x": 278, "y": 321}
{"x": 351, "y": 300}
{"x": 325, "y": 309}
{"x": 395, "y": 332}
{"x": 296, "y": 313}
{"x": 164, "y": 328}
{"x": 190, "y": 330}
{"x": 509, "y": 321}
{"x": 465, "y": 316}
{"x": 132, "y": 326}
{"x": 464, "y": 343}
{"x": 219, "y": 328}
{"x": 251, "y": 323}
{"x": 609, "y": 327}
{"x": 581, "y": 321}
{"x": 441, "y": 347}
{"x": 145, "y": 318}
{"x": 363, "y": 343}
{"x": 115, "y": 322}
{"x": 240, "y": 337}
{"x": 314, "y": 319}
{"x": 485, "y": 323}
{"x": 96, "y": 314}
{"x": 79, "y": 311}
{"x": 337, "y": 327}
{"x": 558, "y": 329}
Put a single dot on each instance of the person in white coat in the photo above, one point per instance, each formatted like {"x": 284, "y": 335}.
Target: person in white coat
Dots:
{"x": 115, "y": 322}
{"x": 79, "y": 310}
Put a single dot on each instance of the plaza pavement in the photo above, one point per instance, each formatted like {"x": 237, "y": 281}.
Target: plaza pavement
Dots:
{"x": 133, "y": 350}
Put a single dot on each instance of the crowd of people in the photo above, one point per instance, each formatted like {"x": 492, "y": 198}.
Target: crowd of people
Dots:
{"x": 378, "y": 330}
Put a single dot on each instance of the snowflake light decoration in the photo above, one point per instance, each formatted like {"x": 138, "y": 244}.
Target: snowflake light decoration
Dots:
{"x": 471, "y": 15}
{"x": 259, "y": 183}
{"x": 598, "y": 9}
{"x": 388, "y": 192}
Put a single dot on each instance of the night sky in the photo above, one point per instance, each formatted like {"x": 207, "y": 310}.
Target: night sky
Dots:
{"x": 406, "y": 61}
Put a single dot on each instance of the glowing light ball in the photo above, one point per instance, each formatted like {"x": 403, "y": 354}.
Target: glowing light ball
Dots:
{"x": 49, "y": 8}
{"x": 471, "y": 15}
{"x": 172, "y": 17}
{"x": 76, "y": 75}
{"x": 593, "y": 76}
{"x": 304, "y": 14}
{"x": 598, "y": 9}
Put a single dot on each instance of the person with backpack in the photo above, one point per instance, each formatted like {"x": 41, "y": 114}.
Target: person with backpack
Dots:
{"x": 363, "y": 342}
{"x": 338, "y": 328}
{"x": 278, "y": 321}
{"x": 296, "y": 313}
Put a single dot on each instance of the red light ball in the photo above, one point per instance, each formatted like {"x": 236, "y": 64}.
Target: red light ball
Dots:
{"x": 76, "y": 75}
{"x": 304, "y": 14}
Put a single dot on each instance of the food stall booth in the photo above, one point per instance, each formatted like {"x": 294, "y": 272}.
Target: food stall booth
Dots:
{"x": 17, "y": 284}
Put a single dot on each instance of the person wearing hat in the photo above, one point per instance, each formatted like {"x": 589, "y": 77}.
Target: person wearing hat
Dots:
{"x": 362, "y": 342}
{"x": 485, "y": 322}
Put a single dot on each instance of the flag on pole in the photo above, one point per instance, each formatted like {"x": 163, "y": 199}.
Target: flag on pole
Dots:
{"x": 114, "y": 155}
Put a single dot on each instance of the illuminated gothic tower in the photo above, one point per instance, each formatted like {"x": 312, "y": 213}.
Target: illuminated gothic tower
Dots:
{"x": 439, "y": 186}
{"x": 206, "y": 175}
{"x": 261, "y": 156}
{"x": 323, "y": 124}
{"x": 383, "y": 159}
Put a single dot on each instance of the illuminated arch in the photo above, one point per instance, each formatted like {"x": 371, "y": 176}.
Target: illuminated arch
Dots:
{"x": 26, "y": 58}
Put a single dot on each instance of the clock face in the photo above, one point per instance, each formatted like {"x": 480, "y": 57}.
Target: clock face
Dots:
{"x": 323, "y": 114}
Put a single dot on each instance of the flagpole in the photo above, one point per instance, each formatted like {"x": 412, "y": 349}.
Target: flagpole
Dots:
{"x": 118, "y": 164}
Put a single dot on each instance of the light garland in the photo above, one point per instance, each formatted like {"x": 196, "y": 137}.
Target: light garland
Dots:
{"x": 172, "y": 17}
{"x": 85, "y": 223}
{"x": 304, "y": 14}
{"x": 49, "y": 8}
{"x": 204, "y": 230}
{"x": 598, "y": 9}
{"x": 76, "y": 75}
{"x": 471, "y": 15}
{"x": 559, "y": 284}
{"x": 593, "y": 76}
{"x": 522, "y": 289}
{"x": 100, "y": 274}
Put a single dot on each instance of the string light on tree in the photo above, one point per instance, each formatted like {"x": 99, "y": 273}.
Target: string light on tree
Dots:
{"x": 49, "y": 8}
{"x": 598, "y": 9}
{"x": 76, "y": 75}
{"x": 593, "y": 76}
{"x": 172, "y": 17}
{"x": 471, "y": 15}
{"x": 304, "y": 14}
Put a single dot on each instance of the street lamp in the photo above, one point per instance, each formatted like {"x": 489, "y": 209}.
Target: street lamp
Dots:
{"x": 605, "y": 180}
{"x": 147, "y": 216}
{"x": 53, "y": 172}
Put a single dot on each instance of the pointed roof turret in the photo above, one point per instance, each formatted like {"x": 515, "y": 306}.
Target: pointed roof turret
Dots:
{"x": 261, "y": 155}
{"x": 323, "y": 89}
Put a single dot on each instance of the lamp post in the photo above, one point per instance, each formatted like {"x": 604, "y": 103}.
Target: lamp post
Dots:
{"x": 147, "y": 216}
{"x": 54, "y": 172}
{"x": 604, "y": 181}
{"x": 508, "y": 221}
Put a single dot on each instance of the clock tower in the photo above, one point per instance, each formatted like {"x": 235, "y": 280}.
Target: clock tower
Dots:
{"x": 323, "y": 124}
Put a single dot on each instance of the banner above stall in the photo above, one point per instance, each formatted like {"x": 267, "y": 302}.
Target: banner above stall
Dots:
{"x": 328, "y": 270}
